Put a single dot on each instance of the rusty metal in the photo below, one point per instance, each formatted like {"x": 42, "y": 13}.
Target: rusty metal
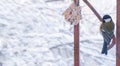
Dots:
{"x": 76, "y": 41}
{"x": 76, "y": 45}
{"x": 94, "y": 11}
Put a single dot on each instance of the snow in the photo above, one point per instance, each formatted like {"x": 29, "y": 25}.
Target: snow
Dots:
{"x": 34, "y": 33}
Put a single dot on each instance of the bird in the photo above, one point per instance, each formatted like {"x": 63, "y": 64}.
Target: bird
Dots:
{"x": 107, "y": 31}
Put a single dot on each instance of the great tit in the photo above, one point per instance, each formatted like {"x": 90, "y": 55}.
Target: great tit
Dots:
{"x": 107, "y": 31}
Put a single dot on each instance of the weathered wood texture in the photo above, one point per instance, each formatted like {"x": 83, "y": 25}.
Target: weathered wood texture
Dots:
{"x": 118, "y": 35}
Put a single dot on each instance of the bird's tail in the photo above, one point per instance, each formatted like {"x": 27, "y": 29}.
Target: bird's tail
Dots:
{"x": 107, "y": 40}
{"x": 104, "y": 49}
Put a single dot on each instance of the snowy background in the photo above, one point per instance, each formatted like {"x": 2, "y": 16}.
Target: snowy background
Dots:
{"x": 34, "y": 33}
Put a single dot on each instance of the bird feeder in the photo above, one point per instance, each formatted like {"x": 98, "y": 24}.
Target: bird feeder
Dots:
{"x": 72, "y": 14}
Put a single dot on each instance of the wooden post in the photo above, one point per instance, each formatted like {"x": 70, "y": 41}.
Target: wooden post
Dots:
{"x": 118, "y": 35}
{"x": 76, "y": 41}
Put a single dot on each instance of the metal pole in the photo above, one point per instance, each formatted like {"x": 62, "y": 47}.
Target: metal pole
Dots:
{"x": 94, "y": 11}
{"x": 76, "y": 45}
{"x": 118, "y": 35}
{"x": 76, "y": 41}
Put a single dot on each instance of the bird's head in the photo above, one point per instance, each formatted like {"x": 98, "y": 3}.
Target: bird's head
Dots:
{"x": 107, "y": 18}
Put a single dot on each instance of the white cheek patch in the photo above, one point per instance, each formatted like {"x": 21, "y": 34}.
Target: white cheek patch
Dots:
{"x": 107, "y": 20}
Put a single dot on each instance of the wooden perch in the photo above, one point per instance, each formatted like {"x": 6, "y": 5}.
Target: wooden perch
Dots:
{"x": 94, "y": 11}
{"x": 113, "y": 43}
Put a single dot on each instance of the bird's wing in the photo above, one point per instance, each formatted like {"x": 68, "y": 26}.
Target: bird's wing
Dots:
{"x": 107, "y": 36}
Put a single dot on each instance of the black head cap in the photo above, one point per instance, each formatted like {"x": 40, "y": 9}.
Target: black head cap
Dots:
{"x": 106, "y": 17}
